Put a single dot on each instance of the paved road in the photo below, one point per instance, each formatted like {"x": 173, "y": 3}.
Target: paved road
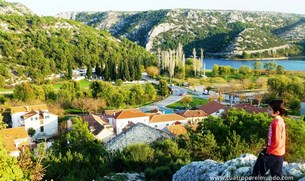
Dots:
{"x": 178, "y": 93}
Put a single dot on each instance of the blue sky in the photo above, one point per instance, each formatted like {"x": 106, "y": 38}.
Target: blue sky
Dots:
{"x": 52, "y": 7}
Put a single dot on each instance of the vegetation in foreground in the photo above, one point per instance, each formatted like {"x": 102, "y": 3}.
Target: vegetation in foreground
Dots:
{"x": 76, "y": 155}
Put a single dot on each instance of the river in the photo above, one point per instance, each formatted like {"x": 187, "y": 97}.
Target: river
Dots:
{"x": 290, "y": 64}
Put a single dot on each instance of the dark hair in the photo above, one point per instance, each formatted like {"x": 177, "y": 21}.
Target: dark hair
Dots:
{"x": 278, "y": 105}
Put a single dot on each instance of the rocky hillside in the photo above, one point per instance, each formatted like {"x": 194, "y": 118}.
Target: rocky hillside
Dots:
{"x": 14, "y": 8}
{"x": 35, "y": 47}
{"x": 218, "y": 32}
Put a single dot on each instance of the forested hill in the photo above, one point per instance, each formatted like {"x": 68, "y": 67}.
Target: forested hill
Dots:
{"x": 216, "y": 31}
{"x": 37, "y": 46}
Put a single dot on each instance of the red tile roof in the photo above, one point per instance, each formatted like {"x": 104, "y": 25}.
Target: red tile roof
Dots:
{"x": 193, "y": 113}
{"x": 10, "y": 135}
{"x": 96, "y": 123}
{"x": 112, "y": 112}
{"x": 211, "y": 107}
{"x": 177, "y": 129}
{"x": 129, "y": 114}
{"x": 29, "y": 108}
{"x": 29, "y": 114}
{"x": 165, "y": 118}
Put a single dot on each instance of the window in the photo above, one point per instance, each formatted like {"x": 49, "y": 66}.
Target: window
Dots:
{"x": 167, "y": 124}
{"x": 47, "y": 117}
{"x": 156, "y": 126}
{"x": 36, "y": 118}
{"x": 41, "y": 129}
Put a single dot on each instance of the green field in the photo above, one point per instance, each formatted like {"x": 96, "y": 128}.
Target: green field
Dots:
{"x": 84, "y": 84}
{"x": 195, "y": 102}
{"x": 2, "y": 90}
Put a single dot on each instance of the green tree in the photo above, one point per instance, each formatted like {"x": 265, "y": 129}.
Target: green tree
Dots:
{"x": 186, "y": 100}
{"x": 70, "y": 70}
{"x": 257, "y": 66}
{"x": 9, "y": 168}
{"x": 270, "y": 67}
{"x": 68, "y": 92}
{"x": 280, "y": 69}
{"x": 2, "y": 81}
{"x": 215, "y": 70}
{"x": 152, "y": 71}
{"x": 31, "y": 132}
{"x": 136, "y": 95}
{"x": 24, "y": 92}
{"x": 89, "y": 71}
{"x": 76, "y": 155}
{"x": 150, "y": 92}
{"x": 245, "y": 72}
{"x": 163, "y": 87}
{"x": 137, "y": 157}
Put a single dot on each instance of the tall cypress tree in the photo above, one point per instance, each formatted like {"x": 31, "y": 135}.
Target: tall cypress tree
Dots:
{"x": 89, "y": 71}
{"x": 70, "y": 74}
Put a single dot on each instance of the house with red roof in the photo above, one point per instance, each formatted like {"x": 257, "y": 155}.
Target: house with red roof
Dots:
{"x": 194, "y": 116}
{"x": 37, "y": 117}
{"x": 122, "y": 118}
{"x": 99, "y": 127}
{"x": 14, "y": 140}
{"x": 212, "y": 108}
{"x": 164, "y": 120}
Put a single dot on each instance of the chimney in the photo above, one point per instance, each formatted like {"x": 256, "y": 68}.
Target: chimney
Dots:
{"x": 113, "y": 113}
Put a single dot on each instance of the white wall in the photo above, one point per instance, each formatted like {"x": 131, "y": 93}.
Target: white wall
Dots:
{"x": 122, "y": 123}
{"x": 50, "y": 124}
{"x": 162, "y": 125}
{"x": 16, "y": 119}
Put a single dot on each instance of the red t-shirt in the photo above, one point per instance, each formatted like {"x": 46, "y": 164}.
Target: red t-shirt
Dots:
{"x": 276, "y": 137}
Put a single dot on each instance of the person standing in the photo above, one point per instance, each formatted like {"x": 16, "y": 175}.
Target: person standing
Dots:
{"x": 272, "y": 157}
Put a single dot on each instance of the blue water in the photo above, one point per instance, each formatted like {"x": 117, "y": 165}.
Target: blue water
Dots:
{"x": 166, "y": 110}
{"x": 288, "y": 64}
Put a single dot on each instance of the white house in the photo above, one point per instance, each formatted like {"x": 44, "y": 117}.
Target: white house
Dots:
{"x": 164, "y": 120}
{"x": 123, "y": 118}
{"x": 37, "y": 117}
{"x": 194, "y": 116}
{"x": 212, "y": 108}
{"x": 17, "y": 112}
{"x": 14, "y": 139}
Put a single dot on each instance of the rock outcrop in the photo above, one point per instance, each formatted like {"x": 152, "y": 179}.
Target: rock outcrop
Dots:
{"x": 239, "y": 168}
{"x": 138, "y": 133}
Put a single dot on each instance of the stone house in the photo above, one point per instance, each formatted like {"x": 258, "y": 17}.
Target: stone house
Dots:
{"x": 136, "y": 134}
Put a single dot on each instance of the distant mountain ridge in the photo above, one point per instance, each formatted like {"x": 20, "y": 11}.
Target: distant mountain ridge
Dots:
{"x": 216, "y": 31}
